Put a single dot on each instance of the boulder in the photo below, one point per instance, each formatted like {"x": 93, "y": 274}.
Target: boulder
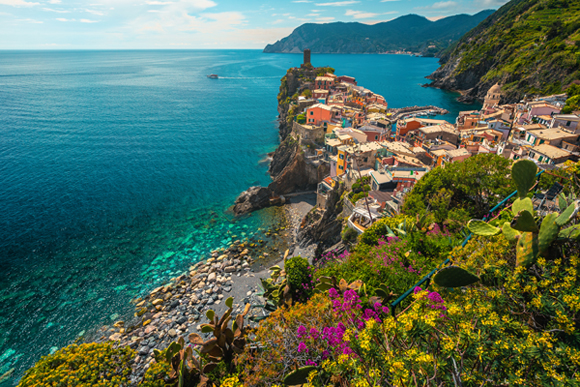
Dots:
{"x": 255, "y": 198}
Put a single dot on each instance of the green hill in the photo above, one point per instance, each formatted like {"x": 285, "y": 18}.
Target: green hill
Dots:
{"x": 528, "y": 46}
{"x": 411, "y": 32}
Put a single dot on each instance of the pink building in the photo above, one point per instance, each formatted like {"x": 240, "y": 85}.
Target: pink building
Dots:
{"x": 347, "y": 79}
{"x": 538, "y": 108}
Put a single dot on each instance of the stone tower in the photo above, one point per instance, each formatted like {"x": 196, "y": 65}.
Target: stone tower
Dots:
{"x": 307, "y": 56}
{"x": 493, "y": 97}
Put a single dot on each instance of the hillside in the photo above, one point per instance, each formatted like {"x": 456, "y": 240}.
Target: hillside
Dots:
{"x": 411, "y": 33}
{"x": 528, "y": 46}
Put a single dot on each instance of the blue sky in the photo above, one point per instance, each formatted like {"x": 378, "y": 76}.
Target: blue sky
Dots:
{"x": 139, "y": 24}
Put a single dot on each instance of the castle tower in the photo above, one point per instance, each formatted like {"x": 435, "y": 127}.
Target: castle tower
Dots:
{"x": 307, "y": 56}
{"x": 493, "y": 97}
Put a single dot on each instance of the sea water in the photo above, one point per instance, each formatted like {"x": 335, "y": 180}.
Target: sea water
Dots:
{"x": 117, "y": 169}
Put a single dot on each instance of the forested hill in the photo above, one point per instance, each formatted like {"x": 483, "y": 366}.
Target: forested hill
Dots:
{"x": 410, "y": 33}
{"x": 528, "y": 46}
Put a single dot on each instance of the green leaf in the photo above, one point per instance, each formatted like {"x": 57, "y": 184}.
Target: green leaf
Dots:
{"x": 479, "y": 227}
{"x": 562, "y": 202}
{"x": 527, "y": 249}
{"x": 524, "y": 174}
{"x": 454, "y": 277}
{"x": 206, "y": 328}
{"x": 509, "y": 233}
{"x": 210, "y": 315}
{"x": 525, "y": 222}
{"x": 566, "y": 216}
{"x": 521, "y": 205}
{"x": 230, "y": 302}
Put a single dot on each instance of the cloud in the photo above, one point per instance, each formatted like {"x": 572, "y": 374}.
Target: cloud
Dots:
{"x": 98, "y": 13}
{"x": 435, "y": 18}
{"x": 490, "y": 3}
{"x": 325, "y": 19}
{"x": 55, "y": 10}
{"x": 18, "y": 3}
{"x": 387, "y": 1}
{"x": 443, "y": 5}
{"x": 337, "y": 3}
{"x": 89, "y": 21}
{"x": 158, "y": 2}
{"x": 360, "y": 14}
{"x": 54, "y": 1}
{"x": 61, "y": 19}
{"x": 31, "y": 21}
{"x": 302, "y": 1}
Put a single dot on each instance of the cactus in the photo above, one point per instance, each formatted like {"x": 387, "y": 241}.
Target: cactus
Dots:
{"x": 226, "y": 341}
{"x": 185, "y": 368}
{"x": 454, "y": 277}
{"x": 524, "y": 175}
{"x": 341, "y": 286}
{"x": 479, "y": 227}
{"x": 532, "y": 241}
{"x": 299, "y": 376}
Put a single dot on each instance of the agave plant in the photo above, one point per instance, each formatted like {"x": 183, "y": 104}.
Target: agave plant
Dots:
{"x": 532, "y": 240}
{"x": 227, "y": 342}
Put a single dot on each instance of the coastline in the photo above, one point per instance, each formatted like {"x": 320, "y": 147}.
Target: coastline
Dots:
{"x": 178, "y": 308}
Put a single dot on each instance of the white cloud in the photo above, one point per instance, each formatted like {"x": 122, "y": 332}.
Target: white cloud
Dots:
{"x": 360, "y": 14}
{"x": 491, "y": 3}
{"x": 159, "y": 2}
{"x": 435, "y": 18}
{"x": 55, "y": 10}
{"x": 89, "y": 21}
{"x": 98, "y": 13}
{"x": 443, "y": 5}
{"x": 337, "y": 3}
{"x": 18, "y": 3}
{"x": 387, "y": 1}
{"x": 54, "y": 1}
{"x": 31, "y": 21}
{"x": 302, "y": 1}
{"x": 61, "y": 19}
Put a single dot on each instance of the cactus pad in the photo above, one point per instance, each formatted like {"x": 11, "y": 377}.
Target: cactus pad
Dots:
{"x": 527, "y": 249}
{"x": 300, "y": 376}
{"x": 521, "y": 205}
{"x": 524, "y": 221}
{"x": 479, "y": 227}
{"x": 454, "y": 277}
{"x": 570, "y": 233}
{"x": 567, "y": 215}
{"x": 524, "y": 174}
{"x": 562, "y": 202}
{"x": 548, "y": 232}
{"x": 509, "y": 233}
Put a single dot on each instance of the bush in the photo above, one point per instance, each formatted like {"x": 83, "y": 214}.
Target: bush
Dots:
{"x": 373, "y": 233}
{"x": 82, "y": 365}
{"x": 349, "y": 235}
{"x": 299, "y": 277}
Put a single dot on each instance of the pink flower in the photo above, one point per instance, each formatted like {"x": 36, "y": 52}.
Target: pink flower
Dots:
{"x": 302, "y": 347}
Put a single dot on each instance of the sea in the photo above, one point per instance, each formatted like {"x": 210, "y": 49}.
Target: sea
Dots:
{"x": 118, "y": 170}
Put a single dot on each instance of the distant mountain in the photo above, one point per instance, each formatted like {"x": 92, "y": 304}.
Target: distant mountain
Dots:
{"x": 528, "y": 46}
{"x": 410, "y": 33}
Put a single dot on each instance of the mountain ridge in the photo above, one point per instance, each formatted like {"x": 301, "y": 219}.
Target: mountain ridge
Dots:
{"x": 409, "y": 32}
{"x": 528, "y": 46}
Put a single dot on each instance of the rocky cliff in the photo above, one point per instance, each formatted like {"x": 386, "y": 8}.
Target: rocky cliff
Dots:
{"x": 528, "y": 46}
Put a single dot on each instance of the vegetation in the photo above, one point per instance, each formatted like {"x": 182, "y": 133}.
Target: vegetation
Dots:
{"x": 425, "y": 36}
{"x": 529, "y": 46}
{"x": 82, "y": 365}
{"x": 573, "y": 101}
{"x": 505, "y": 312}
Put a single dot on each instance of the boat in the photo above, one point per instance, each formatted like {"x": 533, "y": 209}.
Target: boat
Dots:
{"x": 213, "y": 76}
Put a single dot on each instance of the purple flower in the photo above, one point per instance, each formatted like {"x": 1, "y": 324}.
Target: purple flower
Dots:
{"x": 314, "y": 334}
{"x": 333, "y": 293}
{"x": 301, "y": 332}
{"x": 302, "y": 347}
{"x": 311, "y": 363}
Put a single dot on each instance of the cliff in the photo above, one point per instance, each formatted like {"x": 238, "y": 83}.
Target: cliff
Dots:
{"x": 410, "y": 33}
{"x": 528, "y": 46}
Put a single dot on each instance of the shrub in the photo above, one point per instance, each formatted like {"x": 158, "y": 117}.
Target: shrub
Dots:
{"x": 349, "y": 235}
{"x": 82, "y": 365}
{"x": 373, "y": 233}
{"x": 299, "y": 278}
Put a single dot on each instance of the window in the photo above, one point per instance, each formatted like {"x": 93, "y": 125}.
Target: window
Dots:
{"x": 568, "y": 123}
{"x": 376, "y": 137}
{"x": 311, "y": 113}
{"x": 540, "y": 159}
{"x": 341, "y": 156}
{"x": 340, "y": 167}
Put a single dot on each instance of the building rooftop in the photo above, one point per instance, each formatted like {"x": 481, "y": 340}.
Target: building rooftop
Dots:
{"x": 328, "y": 79}
{"x": 551, "y": 134}
{"x": 439, "y": 128}
{"x": 458, "y": 152}
{"x": 333, "y": 142}
{"x": 381, "y": 178}
{"x": 320, "y": 106}
{"x": 320, "y": 91}
{"x": 550, "y": 151}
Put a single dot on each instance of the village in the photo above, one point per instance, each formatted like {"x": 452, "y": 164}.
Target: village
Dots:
{"x": 382, "y": 152}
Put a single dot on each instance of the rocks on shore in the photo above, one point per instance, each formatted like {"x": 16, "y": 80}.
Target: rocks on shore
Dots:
{"x": 178, "y": 308}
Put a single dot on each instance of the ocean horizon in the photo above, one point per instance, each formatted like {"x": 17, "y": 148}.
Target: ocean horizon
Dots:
{"x": 118, "y": 169}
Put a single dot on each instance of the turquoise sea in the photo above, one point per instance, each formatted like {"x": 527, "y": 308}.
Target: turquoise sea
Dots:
{"x": 117, "y": 169}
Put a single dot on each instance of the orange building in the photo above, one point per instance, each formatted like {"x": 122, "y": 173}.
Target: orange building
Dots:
{"x": 319, "y": 113}
{"x": 323, "y": 83}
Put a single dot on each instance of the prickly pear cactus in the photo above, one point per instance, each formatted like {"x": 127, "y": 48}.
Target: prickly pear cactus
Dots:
{"x": 524, "y": 174}
{"x": 479, "y": 227}
{"x": 454, "y": 277}
{"x": 524, "y": 222}
{"x": 300, "y": 376}
{"x": 527, "y": 249}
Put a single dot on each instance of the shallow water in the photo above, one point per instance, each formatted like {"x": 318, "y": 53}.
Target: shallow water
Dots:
{"x": 117, "y": 169}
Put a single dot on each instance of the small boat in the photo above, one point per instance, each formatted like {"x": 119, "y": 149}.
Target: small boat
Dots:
{"x": 212, "y": 76}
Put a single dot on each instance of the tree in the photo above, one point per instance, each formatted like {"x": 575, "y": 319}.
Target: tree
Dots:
{"x": 475, "y": 184}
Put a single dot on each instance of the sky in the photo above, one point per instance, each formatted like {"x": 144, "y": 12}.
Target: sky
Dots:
{"x": 194, "y": 24}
